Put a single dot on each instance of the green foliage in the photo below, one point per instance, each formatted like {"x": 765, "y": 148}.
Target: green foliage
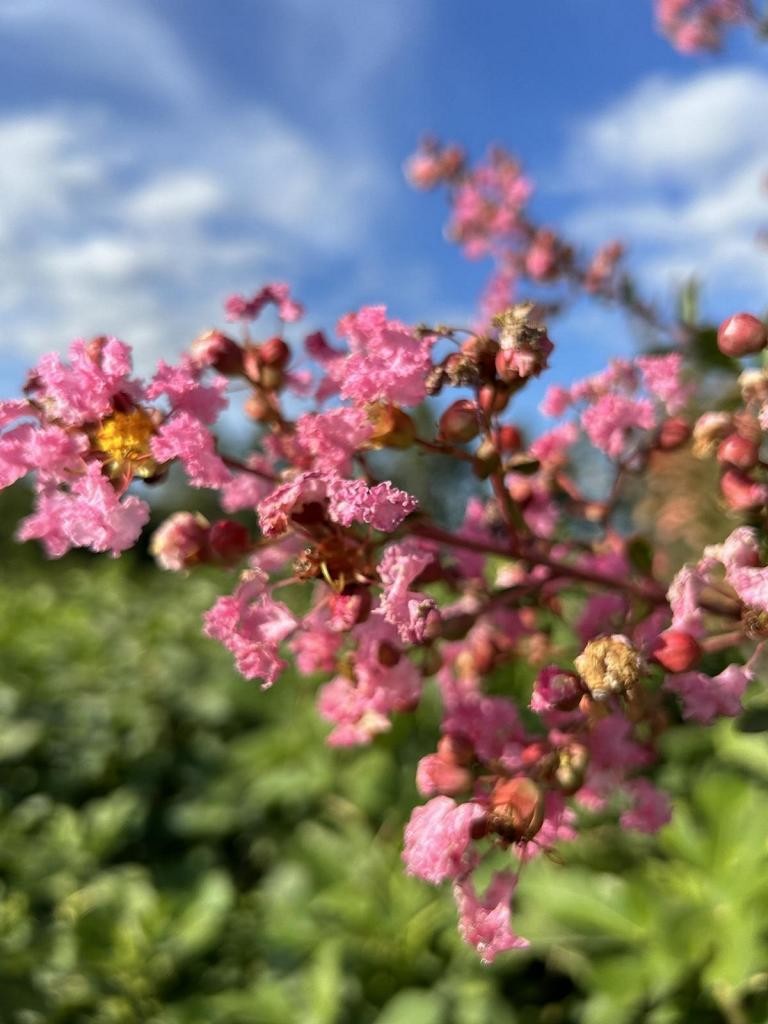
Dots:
{"x": 180, "y": 847}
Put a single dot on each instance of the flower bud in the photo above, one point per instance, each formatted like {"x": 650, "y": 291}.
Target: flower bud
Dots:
{"x": 228, "y": 541}
{"x": 674, "y": 432}
{"x": 216, "y": 350}
{"x": 738, "y": 451}
{"x": 509, "y": 438}
{"x": 516, "y": 809}
{"x": 180, "y": 542}
{"x": 709, "y": 430}
{"x": 275, "y": 352}
{"x": 486, "y": 460}
{"x": 257, "y": 408}
{"x": 741, "y": 492}
{"x": 571, "y": 769}
{"x": 392, "y": 428}
{"x": 676, "y": 650}
{"x": 741, "y": 335}
{"x": 494, "y": 398}
{"x": 459, "y": 423}
{"x": 609, "y": 665}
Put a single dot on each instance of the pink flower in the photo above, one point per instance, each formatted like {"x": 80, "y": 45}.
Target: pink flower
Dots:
{"x": 251, "y": 625}
{"x": 662, "y": 377}
{"x": 384, "y": 681}
{"x": 289, "y": 499}
{"x": 328, "y": 440}
{"x": 413, "y": 614}
{"x": 705, "y": 698}
{"x": 246, "y": 490}
{"x": 239, "y": 308}
{"x": 740, "y": 554}
{"x": 650, "y": 809}
{"x": 182, "y": 386}
{"x": 485, "y": 922}
{"x": 180, "y": 541}
{"x": 89, "y": 515}
{"x": 83, "y": 391}
{"x": 556, "y": 401}
{"x": 386, "y": 363}
{"x": 185, "y": 438}
{"x": 610, "y": 420}
{"x": 438, "y": 839}
{"x": 383, "y": 507}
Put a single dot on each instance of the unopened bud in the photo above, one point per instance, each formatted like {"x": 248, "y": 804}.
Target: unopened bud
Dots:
{"x": 741, "y": 335}
{"x": 674, "y": 432}
{"x": 709, "y": 430}
{"x": 459, "y": 423}
{"x": 391, "y": 427}
{"x": 609, "y": 665}
{"x": 571, "y": 767}
{"x": 493, "y": 398}
{"x": 740, "y": 492}
{"x": 516, "y": 809}
{"x": 486, "y": 460}
{"x": 228, "y": 541}
{"x": 738, "y": 451}
{"x": 218, "y": 351}
{"x": 509, "y": 438}
{"x": 180, "y": 542}
{"x": 676, "y": 650}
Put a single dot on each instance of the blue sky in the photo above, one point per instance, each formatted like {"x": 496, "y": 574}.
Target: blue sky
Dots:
{"x": 157, "y": 156}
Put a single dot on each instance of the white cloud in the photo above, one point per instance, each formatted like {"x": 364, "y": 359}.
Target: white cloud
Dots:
{"x": 140, "y": 228}
{"x": 675, "y": 168}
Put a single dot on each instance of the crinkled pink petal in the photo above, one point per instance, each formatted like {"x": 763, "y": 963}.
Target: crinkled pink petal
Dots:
{"x": 251, "y": 625}
{"x": 408, "y": 610}
{"x": 83, "y": 391}
{"x": 438, "y": 839}
{"x": 185, "y": 438}
{"x": 181, "y": 385}
{"x": 609, "y": 421}
{"x": 706, "y": 698}
{"x": 484, "y": 922}
{"x": 386, "y": 362}
{"x": 383, "y": 507}
{"x": 328, "y": 440}
{"x": 90, "y": 515}
{"x": 650, "y": 810}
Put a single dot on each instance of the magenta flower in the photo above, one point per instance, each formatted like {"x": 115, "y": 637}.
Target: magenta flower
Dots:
{"x": 484, "y": 922}
{"x": 438, "y": 839}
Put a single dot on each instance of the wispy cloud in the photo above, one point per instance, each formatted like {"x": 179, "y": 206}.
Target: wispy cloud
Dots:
{"x": 676, "y": 168}
{"x": 111, "y": 223}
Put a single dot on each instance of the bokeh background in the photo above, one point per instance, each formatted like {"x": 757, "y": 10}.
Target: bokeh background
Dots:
{"x": 176, "y": 846}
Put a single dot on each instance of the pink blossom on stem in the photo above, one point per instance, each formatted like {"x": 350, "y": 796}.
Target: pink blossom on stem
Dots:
{"x": 706, "y": 698}
{"x": 438, "y": 839}
{"x": 251, "y": 625}
{"x": 185, "y": 438}
{"x": 610, "y": 421}
{"x": 386, "y": 363}
{"x": 412, "y": 613}
{"x": 181, "y": 384}
{"x": 83, "y": 390}
{"x": 484, "y": 922}
{"x": 89, "y": 515}
{"x": 650, "y": 810}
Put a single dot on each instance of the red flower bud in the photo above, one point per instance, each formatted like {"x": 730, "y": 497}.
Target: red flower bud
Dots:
{"x": 494, "y": 398}
{"x": 741, "y": 335}
{"x": 275, "y": 352}
{"x": 741, "y": 492}
{"x": 459, "y": 422}
{"x": 228, "y": 541}
{"x": 673, "y": 433}
{"x": 677, "y": 650}
{"x": 517, "y": 809}
{"x": 218, "y": 351}
{"x": 739, "y": 451}
{"x": 509, "y": 438}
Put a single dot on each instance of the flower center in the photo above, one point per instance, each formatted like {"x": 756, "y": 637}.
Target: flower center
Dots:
{"x": 124, "y": 438}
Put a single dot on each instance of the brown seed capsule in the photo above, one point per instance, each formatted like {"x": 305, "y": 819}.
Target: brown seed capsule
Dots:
{"x": 459, "y": 423}
{"x": 609, "y": 665}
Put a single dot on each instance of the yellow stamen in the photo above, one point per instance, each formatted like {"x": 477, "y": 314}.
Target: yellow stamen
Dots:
{"x": 124, "y": 438}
